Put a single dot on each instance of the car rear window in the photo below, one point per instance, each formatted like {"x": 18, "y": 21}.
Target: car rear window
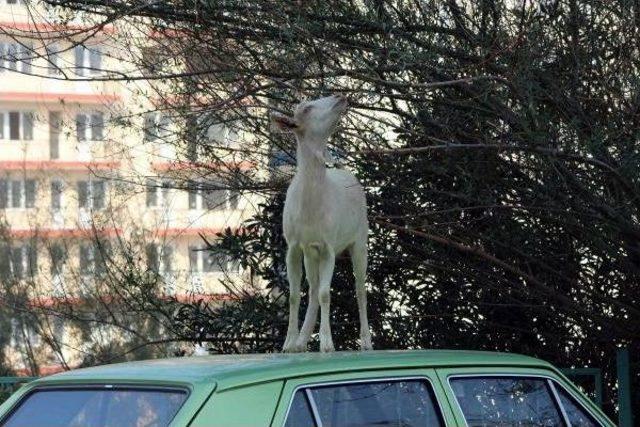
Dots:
{"x": 359, "y": 404}
{"x": 506, "y": 401}
{"x": 97, "y": 407}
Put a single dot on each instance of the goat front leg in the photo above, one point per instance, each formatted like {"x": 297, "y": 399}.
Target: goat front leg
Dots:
{"x": 359, "y": 263}
{"x": 327, "y": 263}
{"x": 294, "y": 275}
{"x": 310, "y": 319}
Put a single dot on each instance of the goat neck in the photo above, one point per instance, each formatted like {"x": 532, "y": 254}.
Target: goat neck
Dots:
{"x": 311, "y": 168}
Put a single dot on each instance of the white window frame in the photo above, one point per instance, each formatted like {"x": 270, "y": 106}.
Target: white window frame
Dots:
{"x": 60, "y": 194}
{"x": 89, "y": 126}
{"x": 22, "y": 204}
{"x": 58, "y": 273}
{"x": 53, "y": 59}
{"x": 93, "y": 251}
{"x": 24, "y": 332}
{"x": 20, "y": 50}
{"x": 91, "y": 184}
{"x": 156, "y": 126}
{"x": 200, "y": 203}
{"x": 160, "y": 250}
{"x": 90, "y": 250}
{"x": 163, "y": 190}
{"x": 25, "y": 260}
{"x": 85, "y": 67}
{"x": 5, "y": 127}
{"x": 202, "y": 255}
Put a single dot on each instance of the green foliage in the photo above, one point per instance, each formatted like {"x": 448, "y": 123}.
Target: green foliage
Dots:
{"x": 522, "y": 234}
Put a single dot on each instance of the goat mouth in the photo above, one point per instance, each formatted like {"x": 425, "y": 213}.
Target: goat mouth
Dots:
{"x": 341, "y": 103}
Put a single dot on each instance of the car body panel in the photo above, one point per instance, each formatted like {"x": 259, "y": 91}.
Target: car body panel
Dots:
{"x": 257, "y": 389}
{"x": 252, "y": 405}
{"x": 445, "y": 374}
{"x": 230, "y": 371}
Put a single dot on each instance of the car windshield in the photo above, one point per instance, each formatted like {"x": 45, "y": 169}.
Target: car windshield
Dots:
{"x": 97, "y": 407}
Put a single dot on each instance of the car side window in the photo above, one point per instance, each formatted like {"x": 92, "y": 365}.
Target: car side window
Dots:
{"x": 508, "y": 401}
{"x": 300, "y": 414}
{"x": 577, "y": 415}
{"x": 394, "y": 402}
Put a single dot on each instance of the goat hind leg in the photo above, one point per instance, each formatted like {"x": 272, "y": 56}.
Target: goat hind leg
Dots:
{"x": 294, "y": 275}
{"x": 359, "y": 262}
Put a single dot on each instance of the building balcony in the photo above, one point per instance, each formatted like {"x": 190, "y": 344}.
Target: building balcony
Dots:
{"x": 10, "y": 24}
{"x": 168, "y": 166}
{"x": 62, "y": 233}
{"x": 58, "y": 165}
{"x": 49, "y": 94}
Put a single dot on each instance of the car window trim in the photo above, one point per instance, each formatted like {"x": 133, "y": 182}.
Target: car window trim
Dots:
{"x": 314, "y": 409}
{"x": 97, "y": 386}
{"x": 556, "y": 396}
{"x": 521, "y": 375}
{"x": 575, "y": 398}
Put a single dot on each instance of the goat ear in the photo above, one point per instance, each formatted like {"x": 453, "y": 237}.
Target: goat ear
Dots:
{"x": 282, "y": 122}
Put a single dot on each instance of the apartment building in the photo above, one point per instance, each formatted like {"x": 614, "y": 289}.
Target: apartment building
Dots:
{"x": 72, "y": 177}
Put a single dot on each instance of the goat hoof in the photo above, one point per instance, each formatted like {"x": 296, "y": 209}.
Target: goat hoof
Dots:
{"x": 366, "y": 346}
{"x": 327, "y": 347}
{"x": 290, "y": 346}
{"x": 301, "y": 347}
{"x": 365, "y": 343}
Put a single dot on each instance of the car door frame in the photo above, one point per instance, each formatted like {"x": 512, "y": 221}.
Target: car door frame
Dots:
{"x": 292, "y": 385}
{"x": 446, "y": 374}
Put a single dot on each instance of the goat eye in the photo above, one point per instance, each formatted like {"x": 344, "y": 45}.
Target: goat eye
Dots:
{"x": 307, "y": 109}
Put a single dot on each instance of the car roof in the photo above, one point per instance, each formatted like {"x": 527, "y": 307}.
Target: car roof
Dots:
{"x": 230, "y": 371}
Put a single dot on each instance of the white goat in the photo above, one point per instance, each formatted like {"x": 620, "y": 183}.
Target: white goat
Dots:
{"x": 325, "y": 213}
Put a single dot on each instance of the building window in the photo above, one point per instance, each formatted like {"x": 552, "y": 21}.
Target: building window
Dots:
{"x": 93, "y": 259}
{"x": 22, "y": 332}
{"x": 53, "y": 59}
{"x": 18, "y": 261}
{"x": 91, "y": 194}
{"x": 90, "y": 126}
{"x": 16, "y": 125}
{"x": 58, "y": 254}
{"x": 153, "y": 60}
{"x": 17, "y": 194}
{"x": 57, "y": 328}
{"x": 213, "y": 262}
{"x": 157, "y": 126}
{"x": 203, "y": 260}
{"x": 158, "y": 193}
{"x": 216, "y": 199}
{"x": 159, "y": 258}
{"x": 16, "y": 57}
{"x": 11, "y": 55}
{"x": 25, "y": 55}
{"x": 55, "y": 127}
{"x": 56, "y": 195}
{"x": 88, "y": 60}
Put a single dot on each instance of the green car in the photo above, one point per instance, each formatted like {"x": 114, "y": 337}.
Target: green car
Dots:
{"x": 390, "y": 388}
